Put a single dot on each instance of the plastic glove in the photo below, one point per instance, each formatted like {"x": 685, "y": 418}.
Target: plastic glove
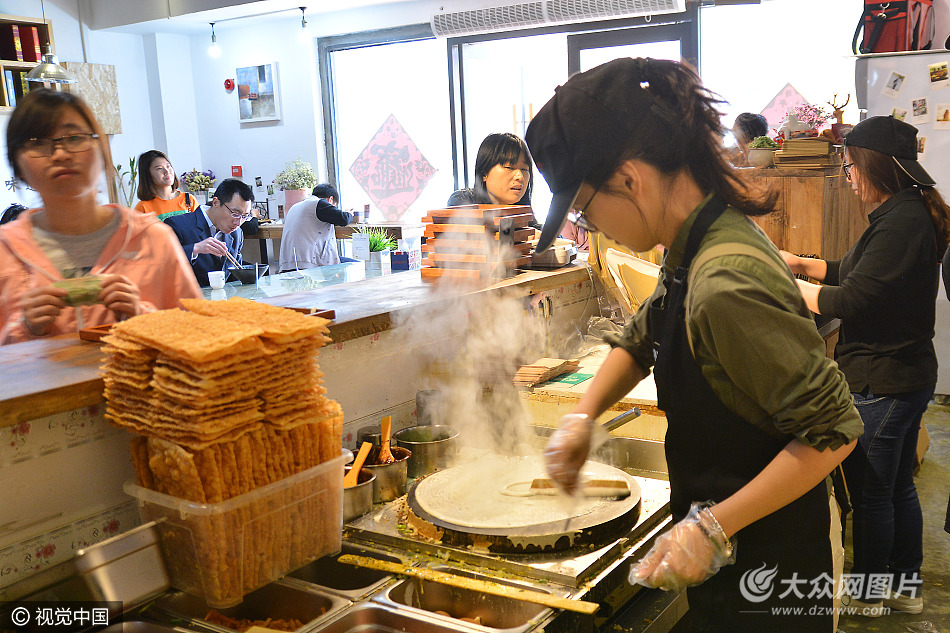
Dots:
{"x": 567, "y": 450}
{"x": 690, "y": 552}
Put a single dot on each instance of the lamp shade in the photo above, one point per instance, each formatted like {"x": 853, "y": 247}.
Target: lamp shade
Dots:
{"x": 49, "y": 71}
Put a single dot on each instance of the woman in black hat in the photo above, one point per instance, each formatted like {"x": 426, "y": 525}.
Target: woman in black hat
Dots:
{"x": 757, "y": 415}
{"x": 884, "y": 291}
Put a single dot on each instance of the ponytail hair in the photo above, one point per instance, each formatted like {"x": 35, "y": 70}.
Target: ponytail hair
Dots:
{"x": 693, "y": 141}
{"x": 940, "y": 214}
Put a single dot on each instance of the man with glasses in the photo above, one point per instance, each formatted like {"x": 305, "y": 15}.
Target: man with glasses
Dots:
{"x": 214, "y": 230}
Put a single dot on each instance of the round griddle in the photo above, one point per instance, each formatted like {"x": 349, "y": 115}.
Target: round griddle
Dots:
{"x": 435, "y": 500}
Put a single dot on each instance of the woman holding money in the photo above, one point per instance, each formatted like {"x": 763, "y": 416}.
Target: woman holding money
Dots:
{"x": 75, "y": 263}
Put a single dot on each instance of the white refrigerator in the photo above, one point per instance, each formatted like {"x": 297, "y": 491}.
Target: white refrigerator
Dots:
{"x": 916, "y": 86}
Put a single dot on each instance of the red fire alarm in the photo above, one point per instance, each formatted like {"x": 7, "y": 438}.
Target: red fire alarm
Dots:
{"x": 236, "y": 171}
{"x": 229, "y": 84}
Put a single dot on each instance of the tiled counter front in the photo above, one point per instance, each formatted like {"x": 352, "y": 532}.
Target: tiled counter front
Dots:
{"x": 61, "y": 475}
{"x": 61, "y": 482}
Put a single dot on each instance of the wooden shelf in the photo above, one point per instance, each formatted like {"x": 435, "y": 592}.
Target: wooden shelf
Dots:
{"x": 12, "y": 69}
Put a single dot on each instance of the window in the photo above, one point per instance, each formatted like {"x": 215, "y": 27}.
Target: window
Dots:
{"x": 390, "y": 132}
{"x": 751, "y": 54}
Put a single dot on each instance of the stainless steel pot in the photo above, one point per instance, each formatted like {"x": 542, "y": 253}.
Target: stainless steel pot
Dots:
{"x": 390, "y": 478}
{"x": 433, "y": 448}
{"x": 358, "y": 499}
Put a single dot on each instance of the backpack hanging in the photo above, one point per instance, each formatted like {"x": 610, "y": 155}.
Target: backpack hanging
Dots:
{"x": 895, "y": 26}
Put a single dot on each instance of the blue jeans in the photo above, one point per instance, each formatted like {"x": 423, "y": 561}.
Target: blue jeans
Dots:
{"x": 887, "y": 522}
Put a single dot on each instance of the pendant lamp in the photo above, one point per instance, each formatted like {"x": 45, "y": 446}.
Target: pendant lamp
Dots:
{"x": 49, "y": 70}
{"x": 214, "y": 50}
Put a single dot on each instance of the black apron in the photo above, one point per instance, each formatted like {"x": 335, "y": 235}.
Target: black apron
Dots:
{"x": 711, "y": 453}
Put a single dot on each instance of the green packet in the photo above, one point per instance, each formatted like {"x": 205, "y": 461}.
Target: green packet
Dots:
{"x": 80, "y": 291}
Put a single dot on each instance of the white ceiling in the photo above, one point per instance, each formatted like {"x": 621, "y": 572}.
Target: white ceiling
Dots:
{"x": 193, "y": 16}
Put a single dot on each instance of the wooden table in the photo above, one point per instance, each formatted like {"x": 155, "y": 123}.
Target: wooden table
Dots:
{"x": 47, "y": 376}
{"x": 265, "y": 232}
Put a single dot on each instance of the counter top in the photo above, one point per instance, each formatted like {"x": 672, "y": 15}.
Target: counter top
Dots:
{"x": 58, "y": 374}
{"x": 48, "y": 376}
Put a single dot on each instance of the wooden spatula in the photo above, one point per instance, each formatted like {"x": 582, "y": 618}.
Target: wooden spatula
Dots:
{"x": 385, "y": 454}
{"x": 352, "y": 478}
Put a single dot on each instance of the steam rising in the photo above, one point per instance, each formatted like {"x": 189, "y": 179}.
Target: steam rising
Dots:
{"x": 482, "y": 338}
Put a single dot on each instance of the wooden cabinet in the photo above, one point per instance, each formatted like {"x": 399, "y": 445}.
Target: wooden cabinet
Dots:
{"x": 818, "y": 213}
{"x": 33, "y": 33}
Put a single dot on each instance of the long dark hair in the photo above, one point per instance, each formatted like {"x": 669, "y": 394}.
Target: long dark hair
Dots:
{"x": 881, "y": 172}
{"x": 146, "y": 189}
{"x": 697, "y": 147}
{"x": 501, "y": 148}
{"x": 37, "y": 115}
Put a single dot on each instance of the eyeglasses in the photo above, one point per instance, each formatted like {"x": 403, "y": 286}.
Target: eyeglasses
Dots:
{"x": 578, "y": 219}
{"x": 847, "y": 170}
{"x": 237, "y": 216}
{"x": 44, "y": 147}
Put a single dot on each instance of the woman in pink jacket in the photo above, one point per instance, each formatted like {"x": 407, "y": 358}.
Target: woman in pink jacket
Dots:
{"x": 55, "y": 145}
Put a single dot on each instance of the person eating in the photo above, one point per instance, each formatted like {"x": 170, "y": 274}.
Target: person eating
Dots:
{"x": 212, "y": 235}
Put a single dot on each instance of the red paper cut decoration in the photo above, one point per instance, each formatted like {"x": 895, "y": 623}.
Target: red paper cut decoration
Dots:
{"x": 392, "y": 170}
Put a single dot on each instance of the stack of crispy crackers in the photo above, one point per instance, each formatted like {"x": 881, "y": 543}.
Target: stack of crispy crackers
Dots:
{"x": 226, "y": 397}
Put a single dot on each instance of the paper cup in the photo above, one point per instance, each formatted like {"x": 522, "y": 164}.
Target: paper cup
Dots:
{"x": 216, "y": 279}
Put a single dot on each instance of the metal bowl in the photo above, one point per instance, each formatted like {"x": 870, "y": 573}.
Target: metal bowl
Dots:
{"x": 358, "y": 499}
{"x": 390, "y": 478}
{"x": 433, "y": 448}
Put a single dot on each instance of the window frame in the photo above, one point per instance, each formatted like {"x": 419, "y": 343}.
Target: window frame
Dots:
{"x": 580, "y": 35}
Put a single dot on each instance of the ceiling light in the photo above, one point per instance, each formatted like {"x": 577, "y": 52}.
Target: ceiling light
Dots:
{"x": 49, "y": 70}
{"x": 214, "y": 50}
{"x": 304, "y": 33}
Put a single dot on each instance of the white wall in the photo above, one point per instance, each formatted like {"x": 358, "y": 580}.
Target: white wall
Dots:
{"x": 261, "y": 149}
{"x": 122, "y": 50}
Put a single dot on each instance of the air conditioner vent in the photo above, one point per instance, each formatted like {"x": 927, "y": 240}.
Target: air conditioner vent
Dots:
{"x": 577, "y": 10}
{"x": 521, "y": 15}
{"x": 513, "y": 16}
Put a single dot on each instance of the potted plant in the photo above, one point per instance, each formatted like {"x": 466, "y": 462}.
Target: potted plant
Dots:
{"x": 127, "y": 177}
{"x": 198, "y": 183}
{"x": 761, "y": 151}
{"x": 380, "y": 244}
{"x": 297, "y": 180}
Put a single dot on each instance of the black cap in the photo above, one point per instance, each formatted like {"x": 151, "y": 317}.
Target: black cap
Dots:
{"x": 893, "y": 137}
{"x": 584, "y": 128}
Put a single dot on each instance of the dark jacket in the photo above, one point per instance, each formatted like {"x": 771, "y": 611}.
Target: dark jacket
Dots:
{"x": 884, "y": 291}
{"x": 192, "y": 228}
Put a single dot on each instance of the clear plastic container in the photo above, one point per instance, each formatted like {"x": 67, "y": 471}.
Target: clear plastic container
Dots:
{"x": 223, "y": 551}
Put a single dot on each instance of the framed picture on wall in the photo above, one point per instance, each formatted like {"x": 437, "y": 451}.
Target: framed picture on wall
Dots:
{"x": 258, "y": 97}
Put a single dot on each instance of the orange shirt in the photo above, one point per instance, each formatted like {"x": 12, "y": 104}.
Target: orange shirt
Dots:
{"x": 166, "y": 208}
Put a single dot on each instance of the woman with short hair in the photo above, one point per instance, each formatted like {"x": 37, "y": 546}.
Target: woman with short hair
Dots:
{"x": 503, "y": 173}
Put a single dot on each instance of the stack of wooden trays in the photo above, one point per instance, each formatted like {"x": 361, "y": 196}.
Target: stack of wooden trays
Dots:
{"x": 484, "y": 241}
